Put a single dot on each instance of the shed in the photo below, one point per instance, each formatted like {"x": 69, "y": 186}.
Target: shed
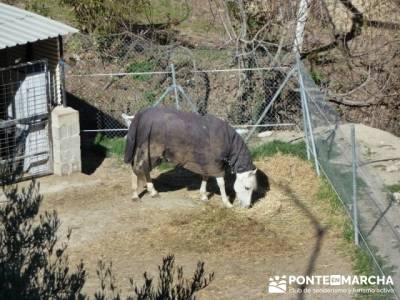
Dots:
{"x": 31, "y": 52}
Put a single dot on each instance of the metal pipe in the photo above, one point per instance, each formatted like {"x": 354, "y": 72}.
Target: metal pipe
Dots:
{"x": 193, "y": 107}
{"x": 167, "y": 91}
{"x": 308, "y": 121}
{"x": 104, "y": 130}
{"x": 174, "y": 85}
{"x": 277, "y": 93}
{"x": 303, "y": 99}
{"x": 354, "y": 181}
{"x": 264, "y": 125}
{"x": 62, "y": 71}
{"x": 62, "y": 83}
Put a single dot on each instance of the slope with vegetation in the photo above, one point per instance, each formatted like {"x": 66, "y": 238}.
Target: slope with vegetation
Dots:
{"x": 351, "y": 48}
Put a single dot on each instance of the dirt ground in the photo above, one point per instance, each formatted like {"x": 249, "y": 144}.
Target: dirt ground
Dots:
{"x": 277, "y": 236}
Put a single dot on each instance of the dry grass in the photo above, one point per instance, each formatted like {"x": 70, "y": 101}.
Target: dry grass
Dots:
{"x": 278, "y": 222}
{"x": 277, "y": 235}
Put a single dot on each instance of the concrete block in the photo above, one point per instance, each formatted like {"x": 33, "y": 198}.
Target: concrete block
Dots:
{"x": 76, "y": 166}
{"x": 75, "y": 155}
{"x": 62, "y": 169}
{"x": 72, "y": 142}
{"x": 66, "y": 156}
{"x": 73, "y": 130}
{"x": 59, "y": 132}
{"x": 56, "y": 154}
{"x": 66, "y": 141}
{"x": 63, "y": 132}
{"x": 64, "y": 115}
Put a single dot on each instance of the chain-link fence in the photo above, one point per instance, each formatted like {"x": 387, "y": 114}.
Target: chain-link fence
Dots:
{"x": 123, "y": 78}
{"x": 365, "y": 198}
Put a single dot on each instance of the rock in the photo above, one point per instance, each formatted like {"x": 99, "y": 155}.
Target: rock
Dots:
{"x": 396, "y": 197}
{"x": 264, "y": 134}
{"x": 392, "y": 168}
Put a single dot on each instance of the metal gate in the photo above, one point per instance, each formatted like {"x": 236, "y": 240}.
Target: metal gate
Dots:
{"x": 25, "y": 140}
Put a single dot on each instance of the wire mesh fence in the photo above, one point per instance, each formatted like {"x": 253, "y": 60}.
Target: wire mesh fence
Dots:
{"x": 124, "y": 80}
{"x": 376, "y": 216}
{"x": 25, "y": 144}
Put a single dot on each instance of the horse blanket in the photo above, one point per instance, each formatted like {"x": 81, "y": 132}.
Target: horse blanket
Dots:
{"x": 201, "y": 144}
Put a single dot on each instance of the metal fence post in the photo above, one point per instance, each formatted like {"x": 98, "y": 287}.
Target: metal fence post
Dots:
{"x": 303, "y": 99}
{"x": 175, "y": 87}
{"x": 277, "y": 93}
{"x": 308, "y": 121}
{"x": 62, "y": 83}
{"x": 354, "y": 183}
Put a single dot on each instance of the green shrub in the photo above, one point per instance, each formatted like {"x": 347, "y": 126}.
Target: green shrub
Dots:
{"x": 274, "y": 147}
{"x": 317, "y": 76}
{"x": 111, "y": 146}
{"x": 105, "y": 17}
{"x": 39, "y": 7}
{"x": 32, "y": 265}
{"x": 150, "y": 97}
{"x": 141, "y": 66}
{"x": 394, "y": 188}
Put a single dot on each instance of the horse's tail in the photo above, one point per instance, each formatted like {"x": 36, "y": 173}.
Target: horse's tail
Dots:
{"x": 131, "y": 139}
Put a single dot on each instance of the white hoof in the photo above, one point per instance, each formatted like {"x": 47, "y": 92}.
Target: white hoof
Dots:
{"x": 228, "y": 204}
{"x": 135, "y": 196}
{"x": 204, "y": 198}
{"x": 154, "y": 194}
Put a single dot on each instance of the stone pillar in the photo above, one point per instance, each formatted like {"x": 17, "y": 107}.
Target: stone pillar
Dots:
{"x": 66, "y": 140}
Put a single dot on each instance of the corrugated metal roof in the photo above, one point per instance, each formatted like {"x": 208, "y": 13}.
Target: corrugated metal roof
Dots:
{"x": 18, "y": 26}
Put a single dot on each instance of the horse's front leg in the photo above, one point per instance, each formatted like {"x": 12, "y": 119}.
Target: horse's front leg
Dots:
{"x": 203, "y": 189}
{"x": 221, "y": 185}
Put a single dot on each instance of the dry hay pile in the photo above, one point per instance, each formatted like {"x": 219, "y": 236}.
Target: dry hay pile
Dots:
{"x": 282, "y": 221}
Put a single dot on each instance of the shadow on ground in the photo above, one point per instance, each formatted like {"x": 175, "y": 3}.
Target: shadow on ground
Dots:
{"x": 180, "y": 178}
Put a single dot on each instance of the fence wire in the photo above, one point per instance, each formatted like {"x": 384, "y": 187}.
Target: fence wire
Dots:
{"x": 123, "y": 79}
{"x": 25, "y": 142}
{"x": 377, "y": 215}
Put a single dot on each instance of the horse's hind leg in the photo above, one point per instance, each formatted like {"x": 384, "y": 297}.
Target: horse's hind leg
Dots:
{"x": 203, "y": 188}
{"x": 150, "y": 186}
{"x": 135, "y": 185}
{"x": 137, "y": 182}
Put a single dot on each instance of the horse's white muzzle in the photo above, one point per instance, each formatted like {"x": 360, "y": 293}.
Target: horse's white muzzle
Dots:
{"x": 244, "y": 186}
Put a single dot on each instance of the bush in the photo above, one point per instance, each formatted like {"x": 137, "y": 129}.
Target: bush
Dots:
{"x": 32, "y": 265}
{"x": 141, "y": 66}
{"x": 171, "y": 283}
{"x": 104, "y": 17}
{"x": 110, "y": 146}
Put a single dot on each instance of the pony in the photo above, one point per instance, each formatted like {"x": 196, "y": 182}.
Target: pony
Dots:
{"x": 203, "y": 144}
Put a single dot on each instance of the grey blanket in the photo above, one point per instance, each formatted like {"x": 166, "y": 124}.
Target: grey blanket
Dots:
{"x": 201, "y": 144}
